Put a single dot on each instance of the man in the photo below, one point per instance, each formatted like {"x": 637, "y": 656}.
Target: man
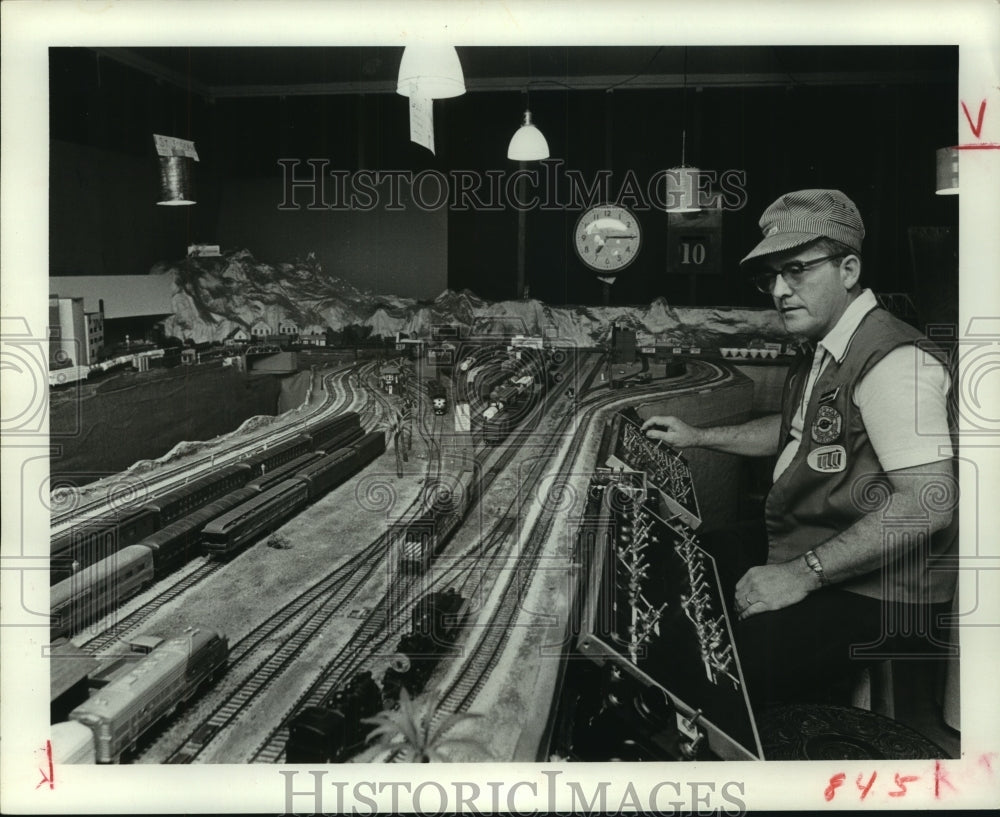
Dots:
{"x": 859, "y": 512}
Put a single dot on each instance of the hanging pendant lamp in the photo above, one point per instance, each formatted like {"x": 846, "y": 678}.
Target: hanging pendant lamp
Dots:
{"x": 528, "y": 144}
{"x": 682, "y": 186}
{"x": 430, "y": 71}
{"x": 176, "y": 182}
{"x": 947, "y": 172}
{"x": 682, "y": 182}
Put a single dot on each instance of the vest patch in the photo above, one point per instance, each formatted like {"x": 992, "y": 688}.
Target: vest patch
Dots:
{"x": 830, "y": 459}
{"x": 827, "y": 425}
{"x": 829, "y": 396}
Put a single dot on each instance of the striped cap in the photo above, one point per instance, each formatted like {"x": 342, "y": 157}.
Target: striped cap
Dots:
{"x": 805, "y": 215}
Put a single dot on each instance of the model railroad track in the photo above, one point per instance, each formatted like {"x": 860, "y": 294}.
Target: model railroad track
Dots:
{"x": 125, "y": 486}
{"x": 334, "y": 594}
{"x": 376, "y": 632}
{"x": 133, "y": 621}
{"x": 485, "y": 654}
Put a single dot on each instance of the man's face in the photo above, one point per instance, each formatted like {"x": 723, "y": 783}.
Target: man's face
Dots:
{"x": 810, "y": 303}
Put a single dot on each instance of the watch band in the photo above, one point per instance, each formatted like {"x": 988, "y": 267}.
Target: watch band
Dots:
{"x": 816, "y": 566}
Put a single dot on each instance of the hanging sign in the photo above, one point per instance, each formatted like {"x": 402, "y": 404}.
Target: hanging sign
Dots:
{"x": 422, "y": 121}
{"x": 172, "y": 146}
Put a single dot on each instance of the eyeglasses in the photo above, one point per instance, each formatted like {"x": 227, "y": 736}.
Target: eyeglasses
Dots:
{"x": 793, "y": 272}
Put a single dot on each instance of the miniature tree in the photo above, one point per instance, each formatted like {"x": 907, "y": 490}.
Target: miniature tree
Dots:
{"x": 418, "y": 730}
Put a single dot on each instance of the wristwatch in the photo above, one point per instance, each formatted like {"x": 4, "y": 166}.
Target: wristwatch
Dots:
{"x": 816, "y": 566}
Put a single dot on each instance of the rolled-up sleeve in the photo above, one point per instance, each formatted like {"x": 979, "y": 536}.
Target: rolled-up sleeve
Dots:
{"x": 903, "y": 401}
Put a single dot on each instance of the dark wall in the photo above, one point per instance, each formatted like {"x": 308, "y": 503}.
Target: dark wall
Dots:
{"x": 368, "y": 242}
{"x": 876, "y": 143}
{"x": 104, "y": 172}
{"x": 104, "y": 179}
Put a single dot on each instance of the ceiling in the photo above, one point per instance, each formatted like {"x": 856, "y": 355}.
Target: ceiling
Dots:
{"x": 226, "y": 72}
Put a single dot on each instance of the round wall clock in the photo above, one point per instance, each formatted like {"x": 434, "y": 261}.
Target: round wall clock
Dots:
{"x": 607, "y": 238}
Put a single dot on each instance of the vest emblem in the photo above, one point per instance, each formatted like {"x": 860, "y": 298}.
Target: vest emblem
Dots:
{"x": 827, "y": 425}
{"x": 829, "y": 396}
{"x": 830, "y": 459}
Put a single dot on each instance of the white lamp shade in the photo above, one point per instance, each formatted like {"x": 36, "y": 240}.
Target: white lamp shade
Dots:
{"x": 528, "y": 144}
{"x": 947, "y": 172}
{"x": 430, "y": 71}
{"x": 682, "y": 190}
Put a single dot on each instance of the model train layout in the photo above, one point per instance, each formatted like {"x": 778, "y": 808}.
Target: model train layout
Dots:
{"x": 412, "y": 579}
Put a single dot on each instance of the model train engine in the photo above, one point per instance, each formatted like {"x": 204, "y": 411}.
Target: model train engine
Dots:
{"x": 436, "y": 623}
{"x": 424, "y": 535}
{"x": 334, "y": 730}
{"x": 438, "y": 395}
{"x": 130, "y": 705}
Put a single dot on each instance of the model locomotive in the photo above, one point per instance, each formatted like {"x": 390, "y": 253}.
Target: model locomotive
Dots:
{"x": 335, "y": 729}
{"x": 119, "y": 714}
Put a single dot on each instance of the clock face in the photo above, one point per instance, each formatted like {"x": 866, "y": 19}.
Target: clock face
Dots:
{"x": 607, "y": 238}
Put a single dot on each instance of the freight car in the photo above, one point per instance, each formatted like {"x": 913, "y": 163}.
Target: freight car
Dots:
{"x": 119, "y": 714}
{"x": 332, "y": 731}
{"x": 224, "y": 535}
{"x": 87, "y": 595}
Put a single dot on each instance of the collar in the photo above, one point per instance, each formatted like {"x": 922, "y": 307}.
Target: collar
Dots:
{"x": 838, "y": 340}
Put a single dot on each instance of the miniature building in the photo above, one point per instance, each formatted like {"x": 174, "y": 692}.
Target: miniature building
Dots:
{"x": 237, "y": 337}
{"x": 76, "y": 337}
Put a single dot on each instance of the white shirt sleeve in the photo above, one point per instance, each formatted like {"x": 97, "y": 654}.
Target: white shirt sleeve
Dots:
{"x": 903, "y": 402}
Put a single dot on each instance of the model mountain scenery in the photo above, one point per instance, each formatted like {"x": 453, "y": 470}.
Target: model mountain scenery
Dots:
{"x": 215, "y": 296}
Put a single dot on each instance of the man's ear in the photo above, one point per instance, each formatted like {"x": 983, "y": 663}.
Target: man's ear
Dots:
{"x": 850, "y": 271}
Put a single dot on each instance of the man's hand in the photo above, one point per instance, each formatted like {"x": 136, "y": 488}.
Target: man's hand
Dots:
{"x": 772, "y": 587}
{"x": 672, "y": 431}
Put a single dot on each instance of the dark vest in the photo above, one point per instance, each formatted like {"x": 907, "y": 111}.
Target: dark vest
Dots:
{"x": 835, "y": 477}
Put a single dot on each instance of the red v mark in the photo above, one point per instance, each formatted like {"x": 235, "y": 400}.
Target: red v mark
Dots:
{"x": 978, "y": 127}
